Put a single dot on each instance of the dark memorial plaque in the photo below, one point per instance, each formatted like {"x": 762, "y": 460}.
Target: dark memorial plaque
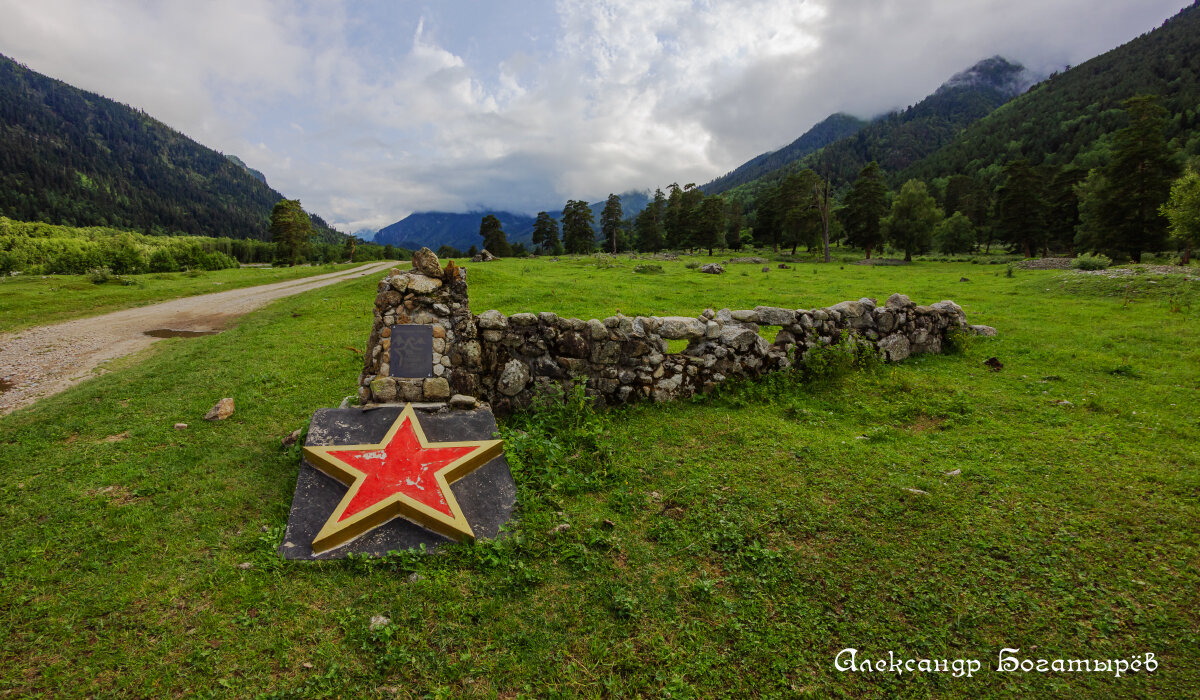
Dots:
{"x": 411, "y": 351}
{"x": 483, "y": 498}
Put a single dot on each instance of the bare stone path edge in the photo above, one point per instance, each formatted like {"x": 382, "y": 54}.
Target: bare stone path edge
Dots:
{"x": 45, "y": 360}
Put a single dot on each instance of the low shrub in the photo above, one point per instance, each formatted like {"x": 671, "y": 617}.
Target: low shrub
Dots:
{"x": 1087, "y": 261}
{"x": 834, "y": 361}
{"x": 99, "y": 275}
{"x": 649, "y": 269}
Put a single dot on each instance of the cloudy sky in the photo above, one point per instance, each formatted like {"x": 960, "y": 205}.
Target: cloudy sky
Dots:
{"x": 368, "y": 110}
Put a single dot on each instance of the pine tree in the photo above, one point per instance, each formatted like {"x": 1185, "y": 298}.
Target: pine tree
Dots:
{"x": 864, "y": 207}
{"x": 577, "y": 233}
{"x": 1139, "y": 177}
{"x": 798, "y": 200}
{"x": 610, "y": 223}
{"x": 494, "y": 239}
{"x": 1021, "y": 220}
{"x": 674, "y": 219}
{"x": 545, "y": 234}
{"x": 710, "y": 232}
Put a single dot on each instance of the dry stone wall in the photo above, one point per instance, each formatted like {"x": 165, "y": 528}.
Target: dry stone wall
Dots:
{"x": 509, "y": 360}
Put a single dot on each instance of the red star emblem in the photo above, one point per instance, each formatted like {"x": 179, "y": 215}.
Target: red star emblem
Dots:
{"x": 402, "y": 475}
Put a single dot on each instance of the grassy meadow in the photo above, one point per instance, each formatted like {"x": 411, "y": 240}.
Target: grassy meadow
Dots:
{"x": 35, "y": 300}
{"x": 730, "y": 545}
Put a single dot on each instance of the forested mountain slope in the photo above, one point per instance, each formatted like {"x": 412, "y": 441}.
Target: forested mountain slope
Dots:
{"x": 899, "y": 139}
{"x": 832, "y": 128}
{"x": 72, "y": 157}
{"x": 1069, "y": 119}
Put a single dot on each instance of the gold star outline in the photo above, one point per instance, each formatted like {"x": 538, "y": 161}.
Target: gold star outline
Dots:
{"x": 334, "y": 460}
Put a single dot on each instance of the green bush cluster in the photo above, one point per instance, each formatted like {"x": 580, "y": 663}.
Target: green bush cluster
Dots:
{"x": 40, "y": 248}
{"x": 834, "y": 361}
{"x": 1087, "y": 261}
{"x": 649, "y": 269}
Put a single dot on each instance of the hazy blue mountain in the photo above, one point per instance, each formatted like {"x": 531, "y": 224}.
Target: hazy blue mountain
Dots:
{"x": 434, "y": 229}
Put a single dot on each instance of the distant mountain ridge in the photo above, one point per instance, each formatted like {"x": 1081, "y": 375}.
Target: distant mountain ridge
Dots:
{"x": 433, "y": 229}
{"x": 832, "y": 128}
{"x": 68, "y": 156}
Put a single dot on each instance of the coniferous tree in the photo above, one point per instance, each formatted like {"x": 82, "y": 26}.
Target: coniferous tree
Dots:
{"x": 545, "y": 233}
{"x": 675, "y": 218}
{"x": 690, "y": 203}
{"x": 768, "y": 219}
{"x": 913, "y": 217}
{"x": 710, "y": 221}
{"x": 1021, "y": 211}
{"x": 610, "y": 223}
{"x": 494, "y": 239}
{"x": 1062, "y": 207}
{"x": 734, "y": 221}
{"x": 798, "y": 200}
{"x": 1139, "y": 178}
{"x": 1119, "y": 203}
{"x": 966, "y": 194}
{"x": 864, "y": 207}
{"x": 577, "y": 233}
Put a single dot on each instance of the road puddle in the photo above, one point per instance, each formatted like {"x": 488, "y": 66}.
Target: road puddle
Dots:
{"x": 171, "y": 333}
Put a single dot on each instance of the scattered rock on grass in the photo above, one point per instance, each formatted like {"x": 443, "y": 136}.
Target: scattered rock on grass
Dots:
{"x": 712, "y": 269}
{"x": 954, "y": 472}
{"x": 181, "y": 426}
{"x": 379, "y": 622}
{"x": 291, "y": 438}
{"x": 561, "y": 527}
{"x": 994, "y": 364}
{"x": 222, "y": 410}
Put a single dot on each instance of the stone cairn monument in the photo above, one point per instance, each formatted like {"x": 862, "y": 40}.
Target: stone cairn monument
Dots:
{"x": 417, "y": 463}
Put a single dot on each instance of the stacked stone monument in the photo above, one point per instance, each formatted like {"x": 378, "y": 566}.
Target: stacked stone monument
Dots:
{"x": 507, "y": 361}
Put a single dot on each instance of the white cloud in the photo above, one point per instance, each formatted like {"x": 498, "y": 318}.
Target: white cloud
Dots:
{"x": 366, "y": 118}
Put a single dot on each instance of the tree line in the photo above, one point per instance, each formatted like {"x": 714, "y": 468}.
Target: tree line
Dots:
{"x": 40, "y": 248}
{"x": 1122, "y": 209}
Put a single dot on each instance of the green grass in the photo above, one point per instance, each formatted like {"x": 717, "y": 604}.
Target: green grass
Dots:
{"x": 727, "y": 546}
{"x": 35, "y": 300}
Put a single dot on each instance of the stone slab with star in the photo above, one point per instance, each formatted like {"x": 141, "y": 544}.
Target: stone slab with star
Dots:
{"x": 371, "y": 481}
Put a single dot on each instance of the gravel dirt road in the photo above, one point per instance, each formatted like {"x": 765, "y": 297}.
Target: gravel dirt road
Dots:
{"x": 45, "y": 360}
